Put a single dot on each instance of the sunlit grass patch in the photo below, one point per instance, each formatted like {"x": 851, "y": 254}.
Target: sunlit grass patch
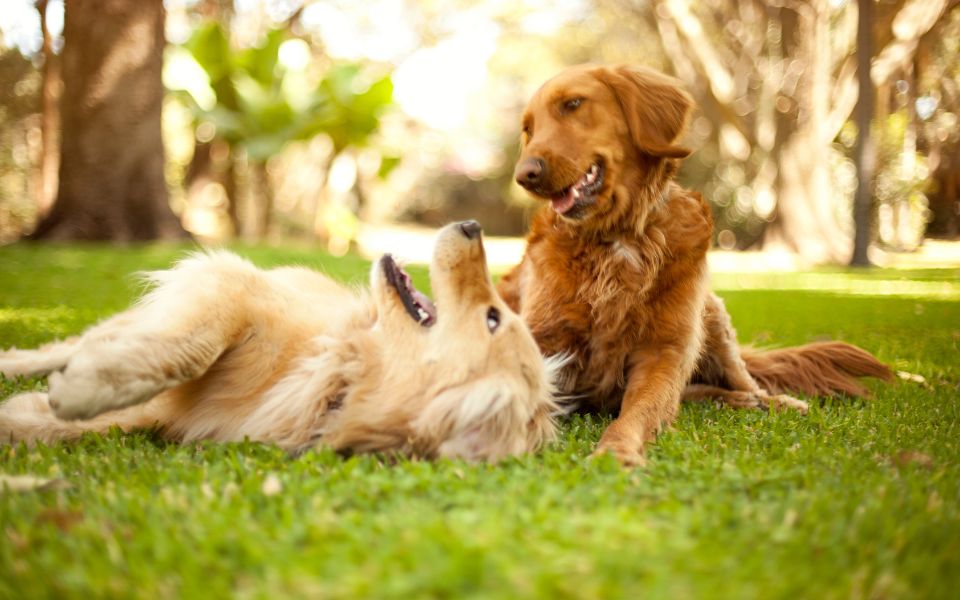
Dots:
{"x": 931, "y": 283}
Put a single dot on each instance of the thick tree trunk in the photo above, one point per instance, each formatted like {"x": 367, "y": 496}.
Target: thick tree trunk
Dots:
{"x": 112, "y": 184}
{"x": 865, "y": 156}
{"x": 50, "y": 88}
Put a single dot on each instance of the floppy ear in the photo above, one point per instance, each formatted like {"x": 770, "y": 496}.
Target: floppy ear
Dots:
{"x": 656, "y": 109}
{"x": 487, "y": 419}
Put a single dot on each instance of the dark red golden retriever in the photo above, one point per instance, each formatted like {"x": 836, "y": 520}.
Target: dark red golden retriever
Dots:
{"x": 615, "y": 269}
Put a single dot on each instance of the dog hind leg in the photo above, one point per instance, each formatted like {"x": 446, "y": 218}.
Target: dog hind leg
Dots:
{"x": 43, "y": 360}
{"x": 55, "y": 355}
{"x": 699, "y": 392}
{"x": 173, "y": 336}
{"x": 722, "y": 364}
{"x": 112, "y": 372}
{"x": 28, "y": 418}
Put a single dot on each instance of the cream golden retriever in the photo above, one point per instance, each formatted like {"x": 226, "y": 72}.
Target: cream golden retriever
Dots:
{"x": 615, "y": 269}
{"x": 222, "y": 350}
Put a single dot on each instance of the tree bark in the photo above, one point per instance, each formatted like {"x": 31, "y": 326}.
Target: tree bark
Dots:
{"x": 262, "y": 197}
{"x": 112, "y": 184}
{"x": 865, "y": 153}
{"x": 50, "y": 88}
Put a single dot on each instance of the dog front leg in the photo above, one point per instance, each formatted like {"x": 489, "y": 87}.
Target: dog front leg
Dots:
{"x": 650, "y": 401}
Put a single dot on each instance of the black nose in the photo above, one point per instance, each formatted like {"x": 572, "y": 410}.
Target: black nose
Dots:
{"x": 530, "y": 172}
{"x": 471, "y": 229}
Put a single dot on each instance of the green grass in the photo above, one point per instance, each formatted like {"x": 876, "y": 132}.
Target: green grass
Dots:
{"x": 733, "y": 504}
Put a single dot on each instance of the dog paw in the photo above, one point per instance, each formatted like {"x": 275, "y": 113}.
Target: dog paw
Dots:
{"x": 84, "y": 390}
{"x": 627, "y": 456}
{"x": 13, "y": 363}
{"x": 23, "y": 418}
{"x": 79, "y": 394}
{"x": 784, "y": 402}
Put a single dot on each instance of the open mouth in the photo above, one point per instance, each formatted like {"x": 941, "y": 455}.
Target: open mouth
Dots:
{"x": 582, "y": 193}
{"x": 414, "y": 301}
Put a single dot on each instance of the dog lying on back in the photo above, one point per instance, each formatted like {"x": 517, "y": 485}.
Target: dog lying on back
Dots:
{"x": 615, "y": 269}
{"x": 224, "y": 351}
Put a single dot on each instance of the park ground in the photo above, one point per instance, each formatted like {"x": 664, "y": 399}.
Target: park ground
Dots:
{"x": 857, "y": 499}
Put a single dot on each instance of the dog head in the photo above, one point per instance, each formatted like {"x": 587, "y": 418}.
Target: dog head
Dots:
{"x": 459, "y": 377}
{"x": 591, "y": 133}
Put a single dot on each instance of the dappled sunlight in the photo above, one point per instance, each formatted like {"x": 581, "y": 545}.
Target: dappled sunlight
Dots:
{"x": 461, "y": 62}
{"x": 259, "y": 111}
{"x": 323, "y": 134}
{"x": 40, "y": 324}
{"x": 933, "y": 271}
{"x": 34, "y": 317}
{"x": 852, "y": 283}
{"x": 414, "y": 245}
{"x": 732, "y": 270}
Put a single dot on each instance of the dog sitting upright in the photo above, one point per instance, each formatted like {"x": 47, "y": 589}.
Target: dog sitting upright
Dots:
{"x": 224, "y": 351}
{"x": 615, "y": 270}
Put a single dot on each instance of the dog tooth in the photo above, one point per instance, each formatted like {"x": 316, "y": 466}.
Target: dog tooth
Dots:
{"x": 576, "y": 193}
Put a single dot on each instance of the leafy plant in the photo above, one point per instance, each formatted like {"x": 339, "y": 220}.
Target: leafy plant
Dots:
{"x": 261, "y": 104}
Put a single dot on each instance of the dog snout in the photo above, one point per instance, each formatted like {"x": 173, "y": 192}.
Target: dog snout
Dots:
{"x": 471, "y": 229}
{"x": 530, "y": 172}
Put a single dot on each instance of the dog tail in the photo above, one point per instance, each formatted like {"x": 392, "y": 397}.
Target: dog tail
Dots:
{"x": 818, "y": 369}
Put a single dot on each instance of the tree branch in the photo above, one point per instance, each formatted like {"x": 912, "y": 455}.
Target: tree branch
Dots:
{"x": 914, "y": 19}
{"x": 704, "y": 63}
{"x": 721, "y": 82}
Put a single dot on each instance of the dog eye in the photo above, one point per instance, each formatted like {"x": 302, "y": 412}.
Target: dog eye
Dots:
{"x": 493, "y": 319}
{"x": 572, "y": 104}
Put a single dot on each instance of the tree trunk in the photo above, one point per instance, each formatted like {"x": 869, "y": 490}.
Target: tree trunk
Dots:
{"x": 232, "y": 189}
{"x": 112, "y": 183}
{"x": 50, "y": 88}
{"x": 805, "y": 221}
{"x": 262, "y": 202}
{"x": 865, "y": 154}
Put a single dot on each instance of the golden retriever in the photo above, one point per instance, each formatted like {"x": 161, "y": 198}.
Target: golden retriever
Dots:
{"x": 222, "y": 350}
{"x": 615, "y": 269}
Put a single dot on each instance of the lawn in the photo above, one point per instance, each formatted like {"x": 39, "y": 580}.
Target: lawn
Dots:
{"x": 858, "y": 499}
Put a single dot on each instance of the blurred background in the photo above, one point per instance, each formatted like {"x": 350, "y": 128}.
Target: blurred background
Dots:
{"x": 351, "y": 125}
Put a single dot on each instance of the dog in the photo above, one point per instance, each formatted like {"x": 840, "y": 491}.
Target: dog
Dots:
{"x": 221, "y": 350}
{"x": 615, "y": 273}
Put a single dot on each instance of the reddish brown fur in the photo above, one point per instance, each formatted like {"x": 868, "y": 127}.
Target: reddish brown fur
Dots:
{"x": 822, "y": 368}
{"x": 623, "y": 287}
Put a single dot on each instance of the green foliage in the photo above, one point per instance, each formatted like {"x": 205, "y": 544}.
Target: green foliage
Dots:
{"x": 856, "y": 499}
{"x": 262, "y": 105}
{"x": 356, "y": 103}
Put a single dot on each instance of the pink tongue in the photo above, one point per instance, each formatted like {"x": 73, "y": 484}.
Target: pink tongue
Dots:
{"x": 563, "y": 203}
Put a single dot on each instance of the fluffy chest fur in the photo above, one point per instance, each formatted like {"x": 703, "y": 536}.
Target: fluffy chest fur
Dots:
{"x": 599, "y": 299}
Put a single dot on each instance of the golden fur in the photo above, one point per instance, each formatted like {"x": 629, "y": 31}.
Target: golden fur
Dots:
{"x": 224, "y": 351}
{"x": 615, "y": 271}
